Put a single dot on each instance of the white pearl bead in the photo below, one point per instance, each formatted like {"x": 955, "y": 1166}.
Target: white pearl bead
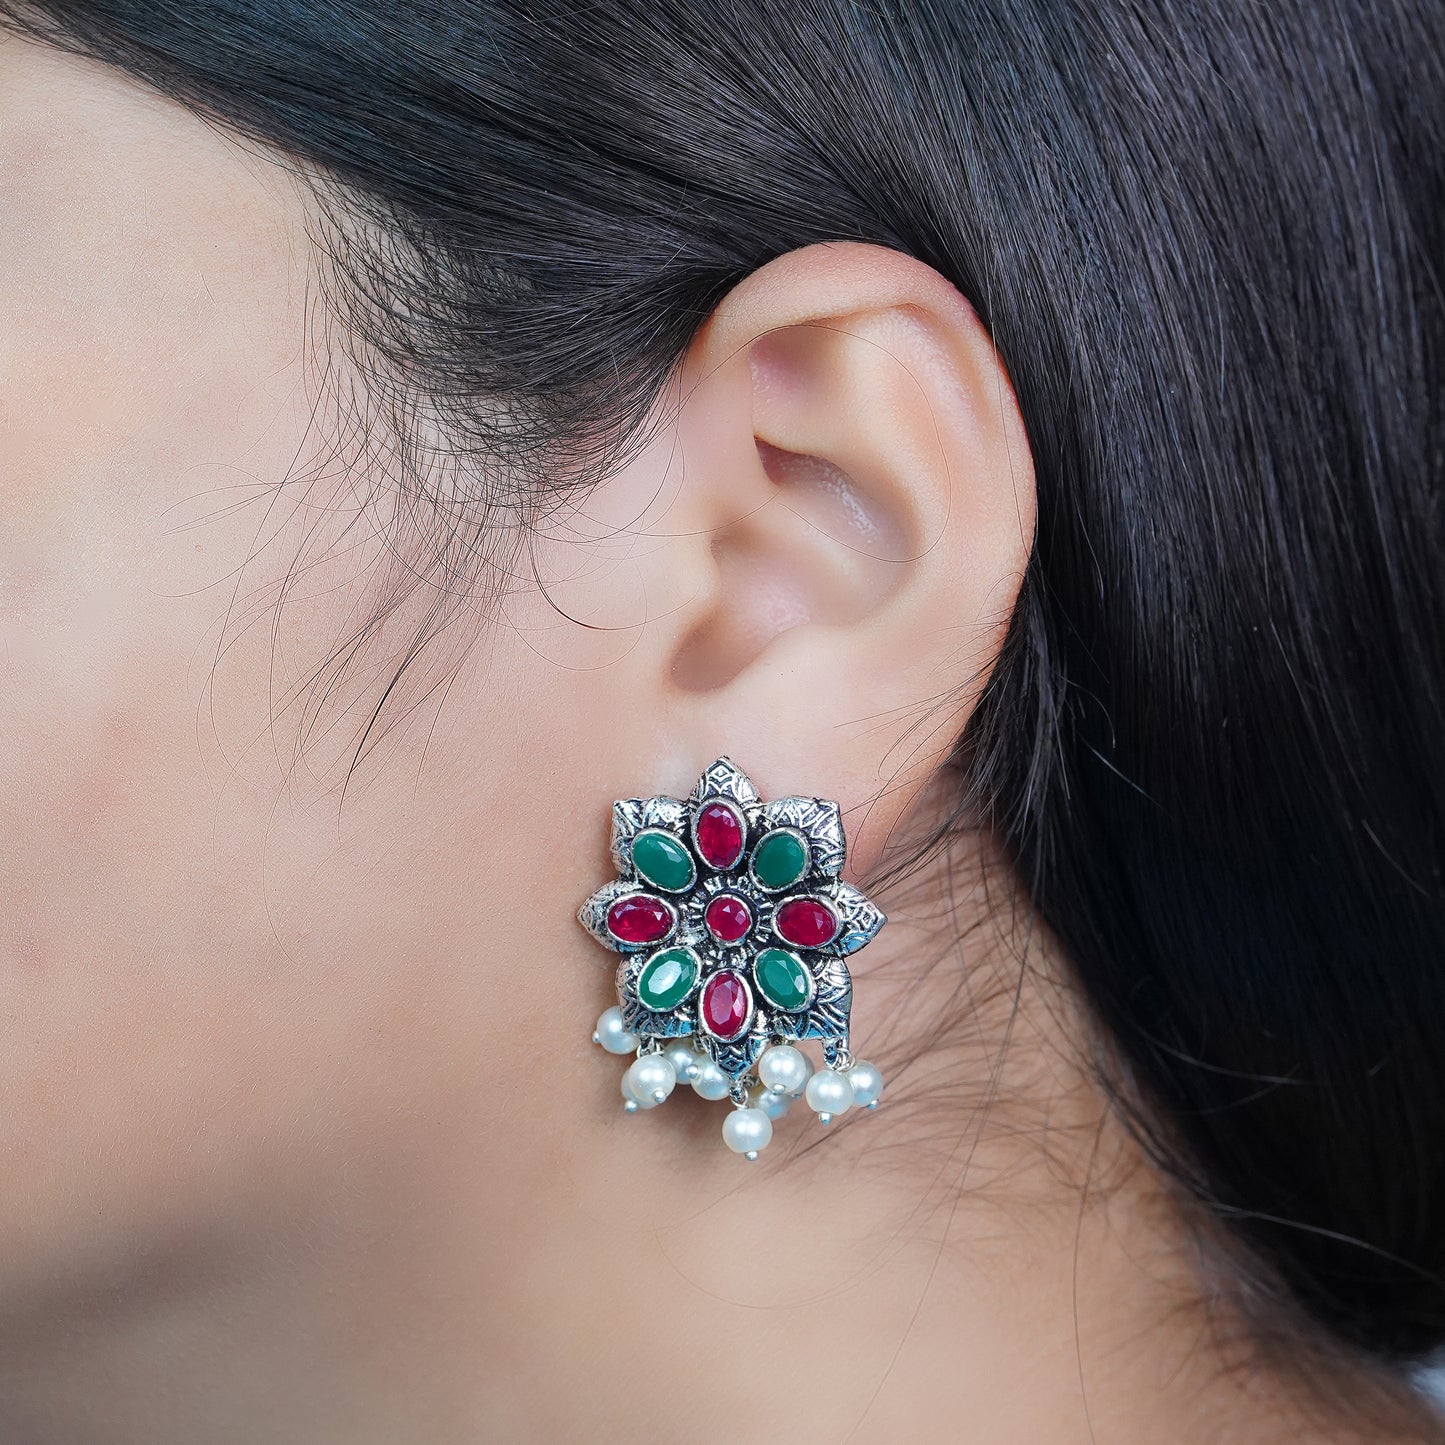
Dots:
{"x": 783, "y": 1069}
{"x": 746, "y": 1131}
{"x": 685, "y": 1060}
{"x": 649, "y": 1080}
{"x": 773, "y": 1105}
{"x": 867, "y": 1085}
{"x": 612, "y": 1035}
{"x": 829, "y": 1093}
{"x": 711, "y": 1082}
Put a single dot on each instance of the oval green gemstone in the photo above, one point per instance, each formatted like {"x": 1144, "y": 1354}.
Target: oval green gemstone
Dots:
{"x": 782, "y": 979}
{"x": 779, "y": 859}
{"x": 663, "y": 861}
{"x": 667, "y": 979}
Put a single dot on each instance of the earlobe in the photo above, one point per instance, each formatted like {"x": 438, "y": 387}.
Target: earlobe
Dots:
{"x": 867, "y": 533}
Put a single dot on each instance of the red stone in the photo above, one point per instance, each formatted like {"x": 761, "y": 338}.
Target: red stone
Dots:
{"x": 806, "y": 923}
{"x": 728, "y": 918}
{"x": 639, "y": 918}
{"x": 727, "y": 1005}
{"x": 719, "y": 834}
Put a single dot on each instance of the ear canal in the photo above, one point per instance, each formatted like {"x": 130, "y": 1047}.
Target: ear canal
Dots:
{"x": 833, "y": 501}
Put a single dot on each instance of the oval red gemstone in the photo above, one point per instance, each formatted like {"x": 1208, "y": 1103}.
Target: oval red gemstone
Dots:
{"x": 728, "y": 918}
{"x": 806, "y": 922}
{"x": 639, "y": 918}
{"x": 727, "y": 1005}
{"x": 719, "y": 834}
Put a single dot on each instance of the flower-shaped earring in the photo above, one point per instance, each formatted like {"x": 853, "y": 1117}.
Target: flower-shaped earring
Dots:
{"x": 733, "y": 925}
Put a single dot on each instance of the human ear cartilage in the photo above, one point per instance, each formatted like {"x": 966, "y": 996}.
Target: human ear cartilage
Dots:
{"x": 733, "y": 925}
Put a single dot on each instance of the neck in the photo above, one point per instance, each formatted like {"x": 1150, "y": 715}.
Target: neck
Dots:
{"x": 985, "y": 1258}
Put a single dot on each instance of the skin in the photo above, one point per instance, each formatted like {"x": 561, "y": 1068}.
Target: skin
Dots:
{"x": 303, "y": 1133}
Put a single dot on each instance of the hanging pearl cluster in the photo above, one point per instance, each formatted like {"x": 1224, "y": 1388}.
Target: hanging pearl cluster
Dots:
{"x": 734, "y": 926}
{"x": 785, "y": 1075}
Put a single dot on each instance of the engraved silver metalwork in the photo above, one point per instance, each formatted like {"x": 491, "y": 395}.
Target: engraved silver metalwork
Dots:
{"x": 825, "y": 1015}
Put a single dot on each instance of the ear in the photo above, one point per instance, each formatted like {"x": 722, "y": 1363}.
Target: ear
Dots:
{"x": 836, "y": 524}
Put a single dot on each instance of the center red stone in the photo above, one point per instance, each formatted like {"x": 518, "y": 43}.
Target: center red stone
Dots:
{"x": 719, "y": 834}
{"x": 728, "y": 918}
{"x": 726, "y": 1005}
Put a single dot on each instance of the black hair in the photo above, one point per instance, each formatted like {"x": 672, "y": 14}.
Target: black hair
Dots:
{"x": 1207, "y": 240}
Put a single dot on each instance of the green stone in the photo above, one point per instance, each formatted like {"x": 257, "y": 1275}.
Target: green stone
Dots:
{"x": 667, "y": 979}
{"x": 782, "y": 979}
{"x": 663, "y": 861}
{"x": 779, "y": 859}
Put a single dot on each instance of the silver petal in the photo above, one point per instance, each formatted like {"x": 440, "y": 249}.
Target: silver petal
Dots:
{"x": 631, "y": 815}
{"x": 820, "y": 822}
{"x": 861, "y": 919}
{"x": 736, "y": 1058}
{"x": 648, "y": 1022}
{"x": 723, "y": 779}
{"x": 827, "y": 1016}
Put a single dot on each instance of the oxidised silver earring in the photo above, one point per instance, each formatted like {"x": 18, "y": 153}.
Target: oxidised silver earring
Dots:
{"x": 733, "y": 925}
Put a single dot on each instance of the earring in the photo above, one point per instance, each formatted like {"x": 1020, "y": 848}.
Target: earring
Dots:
{"x": 733, "y": 925}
